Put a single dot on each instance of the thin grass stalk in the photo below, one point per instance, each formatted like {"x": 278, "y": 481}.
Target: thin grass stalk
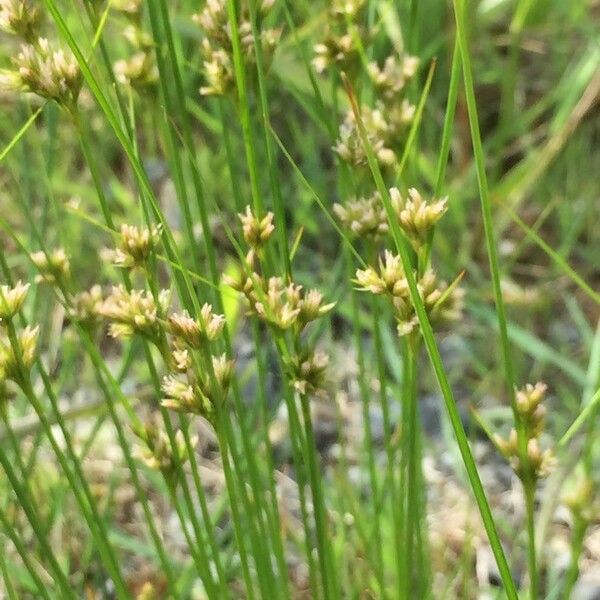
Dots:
{"x": 330, "y": 588}
{"x": 94, "y": 520}
{"x": 298, "y": 444}
{"x": 214, "y": 274}
{"x": 86, "y": 502}
{"x": 402, "y": 246}
{"x": 244, "y": 107}
{"x": 233, "y": 501}
{"x": 368, "y": 445}
{"x": 25, "y": 555}
{"x": 196, "y": 549}
{"x": 23, "y": 495}
{"x": 281, "y": 229}
{"x": 387, "y": 438}
{"x": 140, "y": 493}
{"x": 576, "y": 549}
{"x": 86, "y": 146}
{"x": 8, "y": 584}
{"x": 486, "y": 210}
{"x": 268, "y": 449}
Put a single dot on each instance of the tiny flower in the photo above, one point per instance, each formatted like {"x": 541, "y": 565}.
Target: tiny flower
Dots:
{"x": 157, "y": 451}
{"x": 308, "y": 371}
{"x": 349, "y": 145}
{"x": 53, "y": 267}
{"x": 417, "y": 217}
{"x": 395, "y": 74}
{"x": 217, "y": 45}
{"x": 21, "y": 18}
{"x": 182, "y": 359}
{"x": 134, "y": 311}
{"x": 138, "y": 72}
{"x": 15, "y": 363}
{"x": 256, "y": 231}
{"x": 136, "y": 245}
{"x": 531, "y": 412}
{"x": 388, "y": 279}
{"x": 11, "y": 300}
{"x": 191, "y": 331}
{"x": 196, "y": 395}
{"x": 364, "y": 217}
{"x": 312, "y": 307}
{"x": 86, "y": 306}
{"x": 128, "y": 7}
{"x": 223, "y": 368}
{"x": 49, "y": 72}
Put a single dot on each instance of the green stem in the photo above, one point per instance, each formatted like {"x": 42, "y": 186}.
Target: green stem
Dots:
{"x": 23, "y": 496}
{"x": 24, "y": 553}
{"x": 323, "y": 541}
{"x": 577, "y": 537}
{"x": 529, "y": 490}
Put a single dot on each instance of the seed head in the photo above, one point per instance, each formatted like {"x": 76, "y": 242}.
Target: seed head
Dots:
{"x": 15, "y": 363}
{"x": 49, "y": 72}
{"x": 363, "y": 217}
{"x": 256, "y": 231}
{"x": 308, "y": 371}
{"x": 136, "y": 245}
{"x": 138, "y": 72}
{"x": 157, "y": 452}
{"x": 11, "y": 300}
{"x": 195, "y": 395}
{"x": 417, "y": 216}
{"x": 21, "y": 18}
{"x": 134, "y": 312}
{"x": 531, "y": 412}
{"x": 53, "y": 267}
{"x": 194, "y": 331}
{"x": 392, "y": 78}
{"x": 86, "y": 307}
{"x": 349, "y": 145}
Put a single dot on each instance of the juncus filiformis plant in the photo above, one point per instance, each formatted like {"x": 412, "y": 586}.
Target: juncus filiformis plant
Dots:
{"x": 217, "y": 46}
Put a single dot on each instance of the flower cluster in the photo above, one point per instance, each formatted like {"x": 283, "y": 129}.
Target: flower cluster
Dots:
{"x": 135, "y": 246}
{"x": 138, "y": 71}
{"x": 17, "y": 356}
{"x": 11, "y": 300}
{"x": 308, "y": 372}
{"x": 367, "y": 217}
{"x": 194, "y": 332}
{"x": 532, "y": 415}
{"x": 157, "y": 452}
{"x": 85, "y": 307}
{"x": 441, "y": 302}
{"x": 135, "y": 312}
{"x": 284, "y": 306}
{"x": 21, "y": 18}
{"x": 53, "y": 267}
{"x": 387, "y": 118}
{"x": 196, "y": 395}
{"x": 338, "y": 47}
{"x": 364, "y": 217}
{"x": 217, "y": 46}
{"x": 416, "y": 216}
{"x": 47, "y": 71}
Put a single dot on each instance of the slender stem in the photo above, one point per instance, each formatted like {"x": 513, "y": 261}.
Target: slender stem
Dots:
{"x": 23, "y": 496}
{"x": 577, "y": 537}
{"x": 323, "y": 542}
{"x": 8, "y": 584}
{"x": 233, "y": 501}
{"x": 529, "y": 489}
{"x": 24, "y": 553}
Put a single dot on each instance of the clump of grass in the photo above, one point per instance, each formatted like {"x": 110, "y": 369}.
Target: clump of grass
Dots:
{"x": 214, "y": 235}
